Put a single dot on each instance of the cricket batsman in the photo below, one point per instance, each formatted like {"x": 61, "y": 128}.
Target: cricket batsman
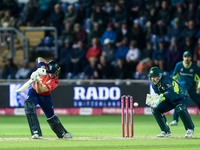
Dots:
{"x": 40, "y": 94}
{"x": 187, "y": 73}
{"x": 171, "y": 95}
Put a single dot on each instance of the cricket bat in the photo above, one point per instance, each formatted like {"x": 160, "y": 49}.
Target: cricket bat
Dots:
{"x": 26, "y": 85}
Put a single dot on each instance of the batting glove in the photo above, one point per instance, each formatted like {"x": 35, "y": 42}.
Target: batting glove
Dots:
{"x": 41, "y": 71}
{"x": 35, "y": 76}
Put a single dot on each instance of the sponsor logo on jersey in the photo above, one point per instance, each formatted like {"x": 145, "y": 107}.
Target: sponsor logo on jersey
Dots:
{"x": 191, "y": 70}
{"x": 168, "y": 85}
{"x": 186, "y": 74}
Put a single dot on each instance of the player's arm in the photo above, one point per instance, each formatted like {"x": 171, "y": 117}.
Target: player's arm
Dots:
{"x": 172, "y": 89}
{"x": 175, "y": 74}
{"x": 42, "y": 62}
{"x": 41, "y": 88}
{"x": 197, "y": 77}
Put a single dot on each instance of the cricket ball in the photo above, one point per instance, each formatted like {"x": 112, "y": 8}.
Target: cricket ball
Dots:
{"x": 135, "y": 104}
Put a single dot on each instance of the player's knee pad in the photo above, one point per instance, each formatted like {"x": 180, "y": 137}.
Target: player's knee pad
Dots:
{"x": 56, "y": 126}
{"x": 32, "y": 118}
{"x": 29, "y": 107}
{"x": 181, "y": 110}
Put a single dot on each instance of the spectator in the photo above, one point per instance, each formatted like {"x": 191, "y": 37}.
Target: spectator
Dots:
{"x": 188, "y": 45}
{"x": 151, "y": 20}
{"x": 68, "y": 33}
{"x": 80, "y": 33}
{"x": 137, "y": 34}
{"x": 108, "y": 51}
{"x": 159, "y": 55}
{"x": 146, "y": 63}
{"x": 198, "y": 17}
{"x": 78, "y": 59}
{"x": 81, "y": 12}
{"x": 108, "y": 9}
{"x": 70, "y": 17}
{"x": 179, "y": 13}
{"x": 46, "y": 7}
{"x": 105, "y": 70}
{"x": 122, "y": 50}
{"x": 109, "y": 33}
{"x": 176, "y": 2}
{"x": 163, "y": 19}
{"x": 121, "y": 33}
{"x": 30, "y": 10}
{"x": 174, "y": 54}
{"x": 135, "y": 7}
{"x": 98, "y": 16}
{"x": 1, "y": 9}
{"x": 121, "y": 71}
{"x": 133, "y": 56}
{"x": 175, "y": 31}
{"x": 189, "y": 31}
{"x": 65, "y": 59}
{"x": 148, "y": 51}
{"x": 86, "y": 5}
{"x": 190, "y": 14}
{"x": 119, "y": 16}
{"x": 9, "y": 70}
{"x": 7, "y": 20}
{"x": 56, "y": 18}
{"x": 91, "y": 71}
{"x": 94, "y": 50}
{"x": 23, "y": 73}
{"x": 13, "y": 7}
{"x": 196, "y": 57}
{"x": 95, "y": 33}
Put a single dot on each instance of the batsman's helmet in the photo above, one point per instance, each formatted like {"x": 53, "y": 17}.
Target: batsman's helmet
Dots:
{"x": 53, "y": 67}
{"x": 155, "y": 71}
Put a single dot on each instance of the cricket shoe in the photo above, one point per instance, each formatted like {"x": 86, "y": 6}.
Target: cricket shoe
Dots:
{"x": 68, "y": 135}
{"x": 189, "y": 133}
{"x": 174, "y": 123}
{"x": 36, "y": 136}
{"x": 164, "y": 134}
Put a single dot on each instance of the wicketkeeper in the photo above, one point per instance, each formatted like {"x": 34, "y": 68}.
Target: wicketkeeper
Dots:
{"x": 46, "y": 80}
{"x": 170, "y": 95}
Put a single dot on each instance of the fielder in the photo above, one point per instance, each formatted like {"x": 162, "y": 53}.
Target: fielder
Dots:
{"x": 187, "y": 72}
{"x": 40, "y": 94}
{"x": 170, "y": 95}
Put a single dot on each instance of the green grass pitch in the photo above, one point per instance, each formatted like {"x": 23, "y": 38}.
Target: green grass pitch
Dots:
{"x": 96, "y": 132}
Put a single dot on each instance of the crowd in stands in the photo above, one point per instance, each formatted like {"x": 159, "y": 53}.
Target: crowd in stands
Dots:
{"x": 117, "y": 40}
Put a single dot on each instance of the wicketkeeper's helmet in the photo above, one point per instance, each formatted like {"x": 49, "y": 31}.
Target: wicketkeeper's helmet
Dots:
{"x": 53, "y": 67}
{"x": 155, "y": 71}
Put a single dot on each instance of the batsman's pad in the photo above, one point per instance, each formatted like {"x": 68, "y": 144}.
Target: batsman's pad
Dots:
{"x": 56, "y": 126}
{"x": 32, "y": 118}
{"x": 161, "y": 120}
{"x": 152, "y": 100}
{"x": 184, "y": 115}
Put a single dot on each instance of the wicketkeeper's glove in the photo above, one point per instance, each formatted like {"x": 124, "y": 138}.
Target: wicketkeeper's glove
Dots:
{"x": 162, "y": 98}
